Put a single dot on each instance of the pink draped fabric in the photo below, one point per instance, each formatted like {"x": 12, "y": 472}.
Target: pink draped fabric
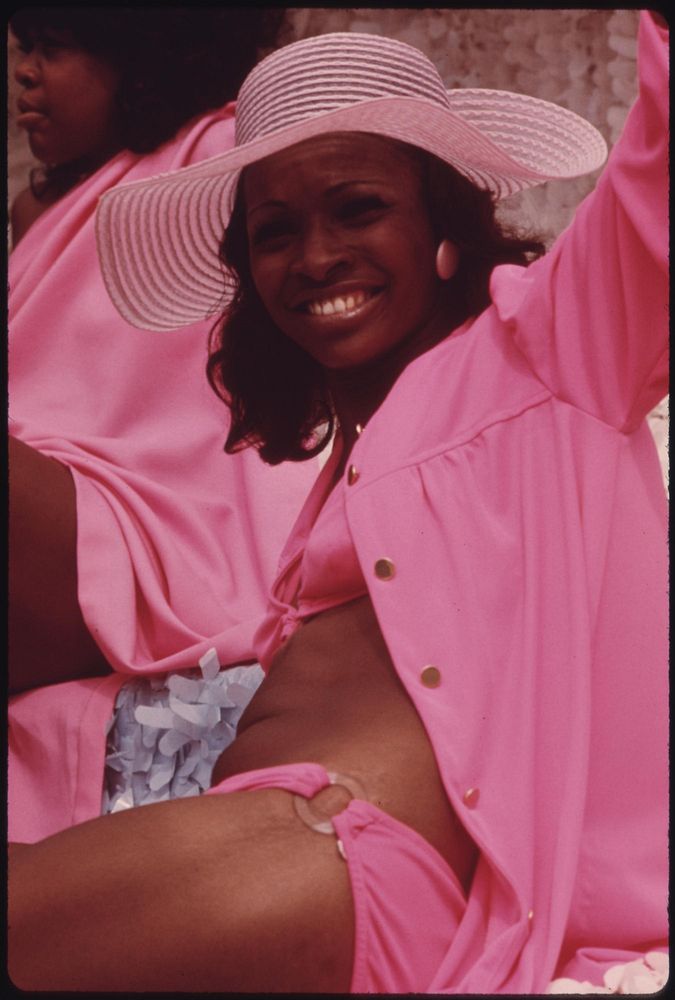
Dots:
{"x": 177, "y": 542}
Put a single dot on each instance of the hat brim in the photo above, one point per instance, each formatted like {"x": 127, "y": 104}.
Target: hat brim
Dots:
{"x": 158, "y": 238}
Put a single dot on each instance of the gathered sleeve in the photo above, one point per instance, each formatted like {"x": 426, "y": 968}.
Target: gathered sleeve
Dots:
{"x": 591, "y": 316}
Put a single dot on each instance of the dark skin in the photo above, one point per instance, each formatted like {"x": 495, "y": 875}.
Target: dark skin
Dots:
{"x": 48, "y": 639}
{"x": 233, "y": 892}
{"x": 67, "y": 108}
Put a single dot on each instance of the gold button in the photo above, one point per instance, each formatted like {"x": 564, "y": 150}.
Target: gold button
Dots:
{"x": 352, "y": 475}
{"x": 385, "y": 569}
{"x": 471, "y": 796}
{"x": 431, "y": 677}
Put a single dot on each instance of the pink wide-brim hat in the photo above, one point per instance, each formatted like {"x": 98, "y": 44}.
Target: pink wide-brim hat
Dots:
{"x": 158, "y": 239}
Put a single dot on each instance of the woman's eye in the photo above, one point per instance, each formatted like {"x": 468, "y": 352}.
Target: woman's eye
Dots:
{"x": 53, "y": 48}
{"x": 362, "y": 209}
{"x": 53, "y": 44}
{"x": 270, "y": 233}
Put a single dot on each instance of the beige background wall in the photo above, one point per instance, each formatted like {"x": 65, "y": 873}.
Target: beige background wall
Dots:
{"x": 583, "y": 59}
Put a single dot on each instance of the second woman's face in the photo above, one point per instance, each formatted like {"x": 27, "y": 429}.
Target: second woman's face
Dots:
{"x": 341, "y": 248}
{"x": 67, "y": 102}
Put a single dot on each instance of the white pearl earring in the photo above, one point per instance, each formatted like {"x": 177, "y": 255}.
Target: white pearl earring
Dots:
{"x": 446, "y": 260}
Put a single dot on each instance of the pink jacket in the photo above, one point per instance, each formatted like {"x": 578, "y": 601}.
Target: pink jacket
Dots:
{"x": 177, "y": 542}
{"x": 513, "y": 482}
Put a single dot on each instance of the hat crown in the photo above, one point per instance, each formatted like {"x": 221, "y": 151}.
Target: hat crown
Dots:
{"x": 329, "y": 72}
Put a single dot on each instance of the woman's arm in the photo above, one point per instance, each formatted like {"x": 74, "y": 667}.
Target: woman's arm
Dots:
{"x": 592, "y": 315}
{"x": 48, "y": 640}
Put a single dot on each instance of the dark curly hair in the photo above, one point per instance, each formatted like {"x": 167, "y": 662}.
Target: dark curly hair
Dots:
{"x": 275, "y": 391}
{"x": 174, "y": 62}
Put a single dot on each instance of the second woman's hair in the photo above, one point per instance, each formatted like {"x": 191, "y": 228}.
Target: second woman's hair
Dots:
{"x": 275, "y": 391}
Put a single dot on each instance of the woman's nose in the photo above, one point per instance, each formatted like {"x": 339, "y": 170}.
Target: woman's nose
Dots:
{"x": 320, "y": 251}
{"x": 27, "y": 73}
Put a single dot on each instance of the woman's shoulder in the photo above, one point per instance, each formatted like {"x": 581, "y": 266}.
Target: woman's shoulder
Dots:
{"x": 26, "y": 208}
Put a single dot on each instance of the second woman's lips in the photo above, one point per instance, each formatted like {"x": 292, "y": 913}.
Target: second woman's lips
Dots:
{"x": 29, "y": 119}
{"x": 29, "y": 114}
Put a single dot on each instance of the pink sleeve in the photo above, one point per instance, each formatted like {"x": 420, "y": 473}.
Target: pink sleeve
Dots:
{"x": 592, "y": 315}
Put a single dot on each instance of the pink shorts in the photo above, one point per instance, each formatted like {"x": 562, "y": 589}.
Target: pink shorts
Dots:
{"x": 408, "y": 902}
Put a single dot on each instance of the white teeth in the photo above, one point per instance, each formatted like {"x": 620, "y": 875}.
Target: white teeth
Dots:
{"x": 337, "y": 305}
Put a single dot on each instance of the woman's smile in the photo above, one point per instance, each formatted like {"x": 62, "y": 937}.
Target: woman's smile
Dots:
{"x": 344, "y": 305}
{"x": 341, "y": 247}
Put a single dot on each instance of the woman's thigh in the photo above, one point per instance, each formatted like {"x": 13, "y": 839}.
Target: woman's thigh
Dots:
{"x": 222, "y": 893}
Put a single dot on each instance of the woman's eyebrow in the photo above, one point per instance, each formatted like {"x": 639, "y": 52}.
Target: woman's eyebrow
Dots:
{"x": 343, "y": 185}
{"x": 270, "y": 203}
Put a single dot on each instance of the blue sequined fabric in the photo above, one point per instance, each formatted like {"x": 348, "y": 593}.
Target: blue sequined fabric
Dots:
{"x": 167, "y": 732}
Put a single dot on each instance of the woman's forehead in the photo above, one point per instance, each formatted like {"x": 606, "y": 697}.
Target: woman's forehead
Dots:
{"x": 36, "y": 30}
{"x": 349, "y": 155}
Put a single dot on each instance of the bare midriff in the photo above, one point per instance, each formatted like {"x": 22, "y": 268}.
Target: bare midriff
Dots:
{"x": 332, "y": 697}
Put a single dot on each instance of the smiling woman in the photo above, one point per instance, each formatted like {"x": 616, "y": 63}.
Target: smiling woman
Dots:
{"x": 336, "y": 216}
{"x": 465, "y": 643}
{"x": 385, "y": 202}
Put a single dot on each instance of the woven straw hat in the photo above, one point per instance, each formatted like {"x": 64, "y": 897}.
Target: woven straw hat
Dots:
{"x": 158, "y": 238}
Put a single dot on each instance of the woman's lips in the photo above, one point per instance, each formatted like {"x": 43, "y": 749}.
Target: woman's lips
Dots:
{"x": 30, "y": 119}
{"x": 339, "y": 305}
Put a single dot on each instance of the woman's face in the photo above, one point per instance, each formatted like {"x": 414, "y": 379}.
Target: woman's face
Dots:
{"x": 67, "y": 102}
{"x": 341, "y": 248}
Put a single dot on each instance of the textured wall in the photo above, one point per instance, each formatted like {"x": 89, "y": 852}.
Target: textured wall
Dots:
{"x": 583, "y": 59}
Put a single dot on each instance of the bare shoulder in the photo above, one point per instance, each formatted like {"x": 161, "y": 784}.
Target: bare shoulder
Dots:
{"x": 26, "y": 208}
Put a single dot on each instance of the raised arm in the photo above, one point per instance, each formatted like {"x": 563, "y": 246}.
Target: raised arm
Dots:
{"x": 592, "y": 315}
